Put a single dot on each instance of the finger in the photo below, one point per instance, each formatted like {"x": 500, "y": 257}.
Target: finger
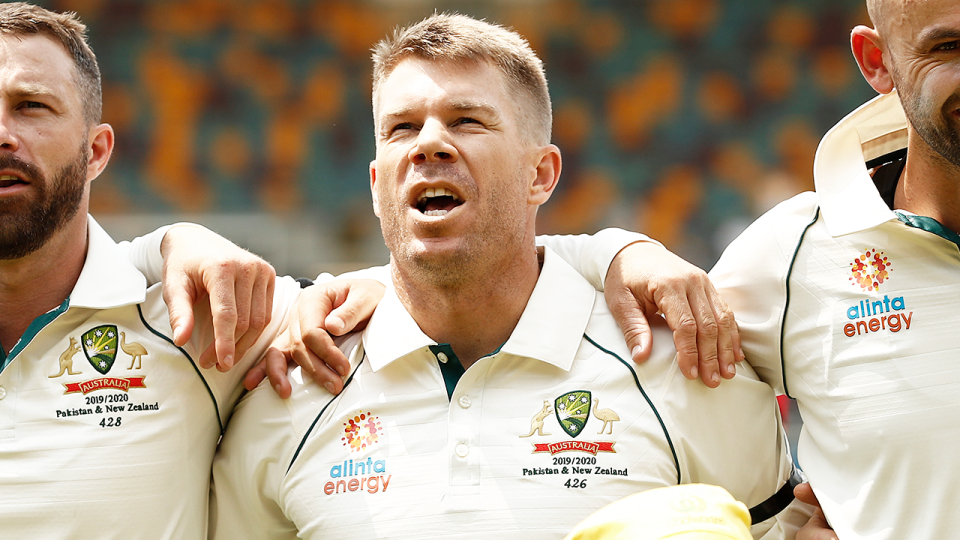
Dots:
{"x": 180, "y": 295}
{"x": 301, "y": 344}
{"x": 804, "y": 493}
{"x": 276, "y": 368}
{"x": 328, "y": 363}
{"x": 223, "y": 309}
{"x": 636, "y": 331}
{"x": 240, "y": 297}
{"x": 681, "y": 320}
{"x": 728, "y": 336}
{"x": 256, "y": 374}
{"x": 335, "y": 311}
{"x": 356, "y": 308}
{"x": 259, "y": 317}
{"x": 208, "y": 358}
{"x": 707, "y": 332}
{"x": 817, "y": 528}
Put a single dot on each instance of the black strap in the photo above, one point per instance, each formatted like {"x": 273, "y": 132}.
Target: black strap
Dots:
{"x": 778, "y": 501}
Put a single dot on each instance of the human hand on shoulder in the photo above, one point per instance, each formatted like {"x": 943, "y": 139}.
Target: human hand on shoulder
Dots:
{"x": 322, "y": 311}
{"x": 646, "y": 279}
{"x": 200, "y": 265}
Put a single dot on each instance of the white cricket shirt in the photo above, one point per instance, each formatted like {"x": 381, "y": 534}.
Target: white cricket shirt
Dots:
{"x": 851, "y": 308}
{"x": 107, "y": 430}
{"x": 526, "y": 443}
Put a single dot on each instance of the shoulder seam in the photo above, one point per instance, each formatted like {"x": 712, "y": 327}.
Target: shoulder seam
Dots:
{"x": 216, "y": 406}
{"x": 316, "y": 420}
{"x": 786, "y": 301}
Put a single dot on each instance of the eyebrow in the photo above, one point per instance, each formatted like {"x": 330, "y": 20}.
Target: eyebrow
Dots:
{"x": 31, "y": 90}
{"x": 459, "y": 106}
{"x": 938, "y": 33}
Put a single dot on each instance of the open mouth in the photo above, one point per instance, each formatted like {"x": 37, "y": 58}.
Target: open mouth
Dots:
{"x": 437, "y": 201}
{"x": 8, "y": 180}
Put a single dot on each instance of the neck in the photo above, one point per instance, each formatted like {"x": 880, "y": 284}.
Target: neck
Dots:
{"x": 929, "y": 185}
{"x": 477, "y": 317}
{"x": 35, "y": 284}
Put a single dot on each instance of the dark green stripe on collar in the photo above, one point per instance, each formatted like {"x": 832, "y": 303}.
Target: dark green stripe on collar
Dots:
{"x": 35, "y": 327}
{"x": 450, "y": 366}
{"x": 930, "y": 225}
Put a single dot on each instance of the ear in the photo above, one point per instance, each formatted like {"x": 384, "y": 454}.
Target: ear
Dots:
{"x": 868, "y": 50}
{"x": 547, "y": 175}
{"x": 373, "y": 187}
{"x": 101, "y": 147}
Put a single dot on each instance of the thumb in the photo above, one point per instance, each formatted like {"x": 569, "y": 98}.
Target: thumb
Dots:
{"x": 636, "y": 329}
{"x": 352, "y": 314}
{"x": 180, "y": 296}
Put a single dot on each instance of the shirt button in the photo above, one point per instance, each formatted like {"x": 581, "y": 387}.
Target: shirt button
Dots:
{"x": 462, "y": 450}
{"x": 465, "y": 402}
{"x": 3, "y": 392}
{"x": 442, "y": 357}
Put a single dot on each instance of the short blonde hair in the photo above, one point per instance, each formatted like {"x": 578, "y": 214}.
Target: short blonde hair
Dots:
{"x": 445, "y": 37}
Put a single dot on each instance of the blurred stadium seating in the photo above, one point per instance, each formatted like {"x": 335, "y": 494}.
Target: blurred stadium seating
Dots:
{"x": 681, "y": 118}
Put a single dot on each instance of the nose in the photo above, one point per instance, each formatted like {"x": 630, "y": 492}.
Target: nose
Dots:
{"x": 8, "y": 139}
{"x": 433, "y": 144}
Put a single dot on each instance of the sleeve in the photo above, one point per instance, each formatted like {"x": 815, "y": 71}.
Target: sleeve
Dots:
{"x": 731, "y": 436}
{"x": 591, "y": 256}
{"x": 376, "y": 273}
{"x": 751, "y": 276}
{"x": 249, "y": 468}
{"x": 144, "y": 253}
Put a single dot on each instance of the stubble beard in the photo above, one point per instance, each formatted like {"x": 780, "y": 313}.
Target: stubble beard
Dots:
{"x": 470, "y": 263}
{"x": 936, "y": 125}
{"x": 27, "y": 225}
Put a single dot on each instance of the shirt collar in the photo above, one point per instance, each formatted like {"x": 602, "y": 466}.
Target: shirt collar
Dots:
{"x": 849, "y": 201}
{"x": 108, "y": 278}
{"x": 550, "y": 328}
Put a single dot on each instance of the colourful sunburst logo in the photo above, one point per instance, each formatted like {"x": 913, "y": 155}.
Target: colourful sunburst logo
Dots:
{"x": 361, "y": 431}
{"x": 870, "y": 270}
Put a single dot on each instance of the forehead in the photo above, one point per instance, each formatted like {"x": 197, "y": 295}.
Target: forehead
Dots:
{"x": 416, "y": 83}
{"x": 912, "y": 20}
{"x": 35, "y": 61}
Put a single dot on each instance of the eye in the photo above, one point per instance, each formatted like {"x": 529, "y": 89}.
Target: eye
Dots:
{"x": 466, "y": 120}
{"x": 403, "y": 126}
{"x": 33, "y": 105}
{"x": 948, "y": 46}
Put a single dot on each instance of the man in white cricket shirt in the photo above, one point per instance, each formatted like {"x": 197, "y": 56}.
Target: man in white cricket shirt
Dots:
{"x": 491, "y": 394}
{"x": 107, "y": 427}
{"x": 847, "y": 298}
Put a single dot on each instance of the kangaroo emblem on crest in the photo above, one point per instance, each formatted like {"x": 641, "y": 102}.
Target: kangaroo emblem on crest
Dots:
{"x": 66, "y": 359}
{"x": 536, "y": 423}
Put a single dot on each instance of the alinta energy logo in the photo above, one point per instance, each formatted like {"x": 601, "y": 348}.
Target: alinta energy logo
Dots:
{"x": 361, "y": 431}
{"x": 870, "y": 269}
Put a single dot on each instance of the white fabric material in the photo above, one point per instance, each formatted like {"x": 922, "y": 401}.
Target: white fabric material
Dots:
{"x": 144, "y": 253}
{"x": 393, "y": 457}
{"x": 125, "y": 451}
{"x": 874, "y": 369}
{"x": 592, "y": 255}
